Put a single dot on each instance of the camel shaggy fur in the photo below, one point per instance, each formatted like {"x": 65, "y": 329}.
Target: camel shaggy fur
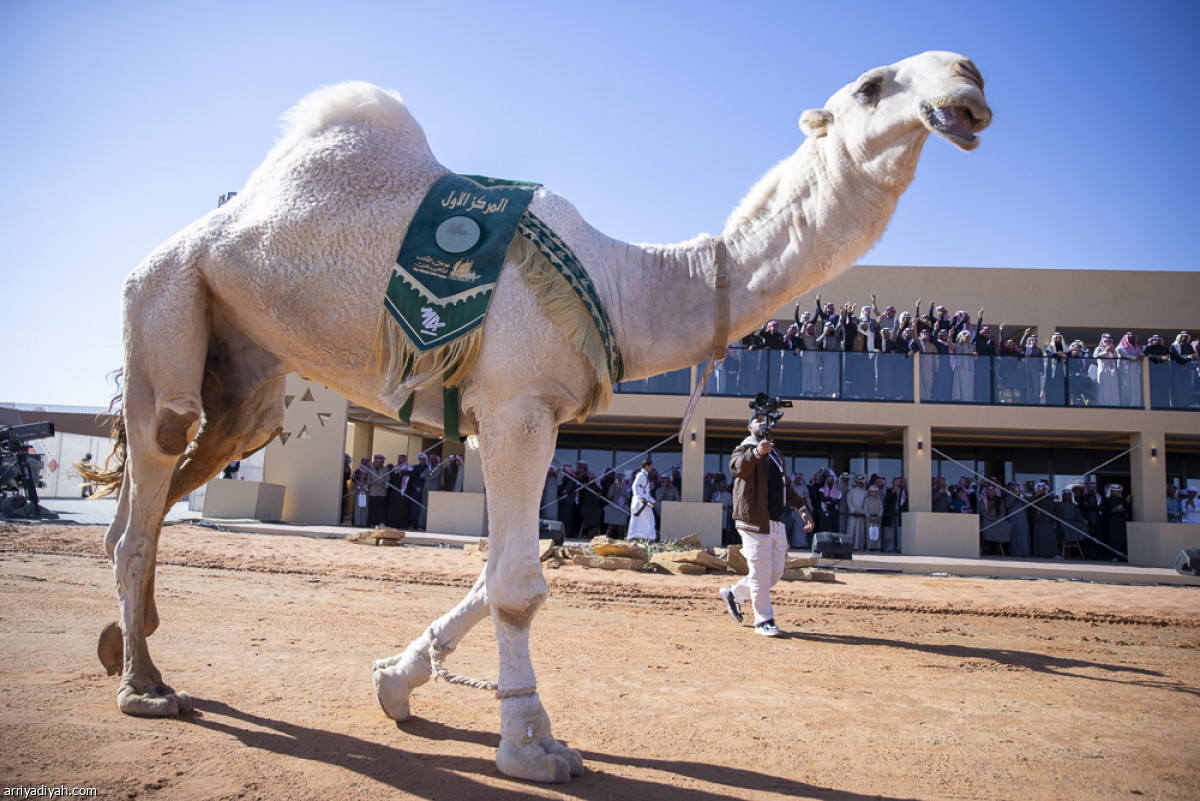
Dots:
{"x": 289, "y": 277}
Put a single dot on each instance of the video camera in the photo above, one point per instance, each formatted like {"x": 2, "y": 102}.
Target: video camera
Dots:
{"x": 18, "y": 480}
{"x": 13, "y": 438}
{"x": 770, "y": 409}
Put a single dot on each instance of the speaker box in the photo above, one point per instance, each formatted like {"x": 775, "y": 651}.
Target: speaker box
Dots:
{"x": 832, "y": 546}
{"x": 551, "y": 530}
{"x": 1188, "y": 561}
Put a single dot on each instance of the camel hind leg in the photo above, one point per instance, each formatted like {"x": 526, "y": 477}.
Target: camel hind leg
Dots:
{"x": 166, "y": 325}
{"x": 225, "y": 434}
{"x": 396, "y": 677}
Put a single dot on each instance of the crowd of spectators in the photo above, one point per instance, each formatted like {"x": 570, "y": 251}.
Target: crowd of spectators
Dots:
{"x": 397, "y": 494}
{"x": 1182, "y": 505}
{"x": 1030, "y": 371}
{"x": 866, "y": 509}
{"x": 590, "y": 504}
{"x": 1030, "y": 519}
{"x": 1024, "y": 519}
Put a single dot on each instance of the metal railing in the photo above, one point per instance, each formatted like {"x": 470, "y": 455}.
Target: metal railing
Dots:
{"x": 1049, "y": 381}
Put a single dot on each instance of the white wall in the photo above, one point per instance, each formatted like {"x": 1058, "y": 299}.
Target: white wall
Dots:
{"x": 307, "y": 457}
{"x": 60, "y": 453}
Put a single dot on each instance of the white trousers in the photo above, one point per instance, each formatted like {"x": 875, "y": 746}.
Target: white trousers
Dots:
{"x": 766, "y": 555}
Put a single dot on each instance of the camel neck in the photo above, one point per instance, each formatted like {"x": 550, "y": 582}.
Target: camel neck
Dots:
{"x": 806, "y": 221}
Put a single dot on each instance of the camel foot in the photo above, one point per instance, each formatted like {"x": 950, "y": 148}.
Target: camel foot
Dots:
{"x": 546, "y": 760}
{"x": 396, "y": 677}
{"x": 527, "y": 748}
{"x": 111, "y": 648}
{"x": 159, "y": 701}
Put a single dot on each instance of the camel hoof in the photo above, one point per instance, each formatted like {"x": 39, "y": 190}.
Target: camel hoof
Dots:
{"x": 396, "y": 677}
{"x": 156, "y": 702}
{"x": 111, "y": 648}
{"x": 574, "y": 758}
{"x": 546, "y": 760}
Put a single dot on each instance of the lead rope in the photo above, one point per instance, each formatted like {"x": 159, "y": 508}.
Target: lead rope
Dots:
{"x": 721, "y": 334}
{"x": 439, "y": 670}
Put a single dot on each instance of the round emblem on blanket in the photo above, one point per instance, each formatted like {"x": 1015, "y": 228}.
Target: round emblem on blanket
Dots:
{"x": 457, "y": 234}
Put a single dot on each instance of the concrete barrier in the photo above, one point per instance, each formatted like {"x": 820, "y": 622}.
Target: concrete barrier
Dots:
{"x": 457, "y": 513}
{"x": 233, "y": 499}
{"x": 1158, "y": 544}
{"x": 681, "y": 518}
{"x": 941, "y": 534}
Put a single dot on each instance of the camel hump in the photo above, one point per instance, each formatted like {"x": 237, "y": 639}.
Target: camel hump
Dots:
{"x": 351, "y": 103}
{"x": 346, "y": 104}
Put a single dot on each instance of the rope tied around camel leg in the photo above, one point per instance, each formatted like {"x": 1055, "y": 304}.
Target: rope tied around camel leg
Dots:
{"x": 439, "y": 670}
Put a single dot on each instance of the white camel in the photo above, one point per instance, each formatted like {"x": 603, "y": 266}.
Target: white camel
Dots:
{"x": 289, "y": 276}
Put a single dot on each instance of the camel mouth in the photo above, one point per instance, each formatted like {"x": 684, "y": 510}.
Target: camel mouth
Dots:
{"x": 956, "y": 122}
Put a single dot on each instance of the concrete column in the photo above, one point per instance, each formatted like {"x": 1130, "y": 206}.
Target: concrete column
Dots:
{"x": 1144, "y": 375}
{"x": 693, "y": 459}
{"x": 390, "y": 444}
{"x": 1148, "y": 476}
{"x": 918, "y": 464}
{"x": 916, "y": 391}
{"x": 364, "y": 438}
{"x": 473, "y": 467}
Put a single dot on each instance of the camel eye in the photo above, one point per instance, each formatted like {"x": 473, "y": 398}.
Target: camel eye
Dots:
{"x": 869, "y": 91}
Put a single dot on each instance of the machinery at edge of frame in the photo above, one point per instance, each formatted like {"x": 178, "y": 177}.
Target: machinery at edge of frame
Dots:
{"x": 19, "y": 471}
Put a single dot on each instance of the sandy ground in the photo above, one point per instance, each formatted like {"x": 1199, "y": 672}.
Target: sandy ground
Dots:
{"x": 886, "y": 686}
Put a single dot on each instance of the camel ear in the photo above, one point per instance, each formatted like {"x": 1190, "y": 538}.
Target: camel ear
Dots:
{"x": 814, "y": 121}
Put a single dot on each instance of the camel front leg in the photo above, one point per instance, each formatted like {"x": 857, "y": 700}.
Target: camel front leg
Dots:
{"x": 516, "y": 446}
{"x": 396, "y": 677}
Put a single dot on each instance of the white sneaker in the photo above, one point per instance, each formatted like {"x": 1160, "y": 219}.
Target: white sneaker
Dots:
{"x": 731, "y": 604}
{"x": 767, "y": 628}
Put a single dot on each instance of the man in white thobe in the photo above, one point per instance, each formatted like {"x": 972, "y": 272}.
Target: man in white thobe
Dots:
{"x": 641, "y": 519}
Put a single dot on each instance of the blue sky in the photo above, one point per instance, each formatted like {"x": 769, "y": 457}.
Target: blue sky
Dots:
{"x": 125, "y": 121}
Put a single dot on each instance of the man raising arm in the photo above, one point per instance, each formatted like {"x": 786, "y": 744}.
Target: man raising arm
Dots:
{"x": 760, "y": 496}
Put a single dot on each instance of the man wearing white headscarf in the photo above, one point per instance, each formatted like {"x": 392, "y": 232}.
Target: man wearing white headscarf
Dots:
{"x": 856, "y": 501}
{"x": 641, "y": 519}
{"x": 1114, "y": 511}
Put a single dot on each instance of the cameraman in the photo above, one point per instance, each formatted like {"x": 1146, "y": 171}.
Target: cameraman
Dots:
{"x": 760, "y": 496}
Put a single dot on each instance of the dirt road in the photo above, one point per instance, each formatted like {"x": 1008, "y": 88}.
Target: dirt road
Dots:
{"x": 886, "y": 686}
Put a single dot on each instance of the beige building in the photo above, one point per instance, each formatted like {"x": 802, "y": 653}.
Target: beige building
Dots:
{"x": 1058, "y": 429}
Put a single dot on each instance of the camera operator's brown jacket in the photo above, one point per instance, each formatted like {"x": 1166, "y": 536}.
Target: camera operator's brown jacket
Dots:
{"x": 750, "y": 488}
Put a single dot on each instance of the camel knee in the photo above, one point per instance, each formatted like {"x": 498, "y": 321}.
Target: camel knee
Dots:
{"x": 176, "y": 419}
{"x": 517, "y": 606}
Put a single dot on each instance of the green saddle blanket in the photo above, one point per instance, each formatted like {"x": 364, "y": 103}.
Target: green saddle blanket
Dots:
{"x": 451, "y": 257}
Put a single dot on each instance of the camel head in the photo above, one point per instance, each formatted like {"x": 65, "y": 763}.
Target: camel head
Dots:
{"x": 883, "y": 119}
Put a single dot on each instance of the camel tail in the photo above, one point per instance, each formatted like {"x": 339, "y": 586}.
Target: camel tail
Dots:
{"x": 108, "y": 479}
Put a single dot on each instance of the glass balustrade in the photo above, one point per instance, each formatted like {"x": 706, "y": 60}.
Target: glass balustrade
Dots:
{"x": 676, "y": 382}
{"x": 1050, "y": 381}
